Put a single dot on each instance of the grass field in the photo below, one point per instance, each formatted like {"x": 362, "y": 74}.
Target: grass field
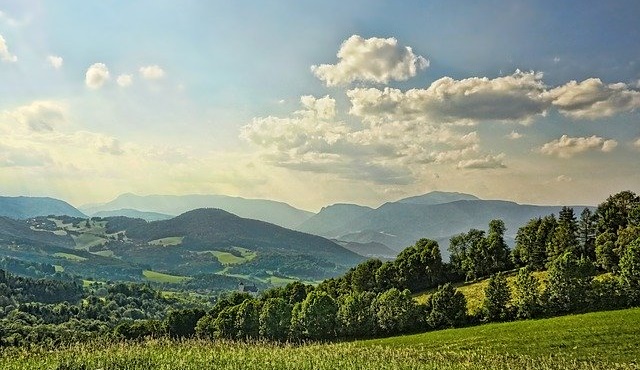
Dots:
{"x": 603, "y": 340}
{"x": 474, "y": 292}
{"x": 167, "y": 242}
{"x": 159, "y": 277}
{"x": 70, "y": 257}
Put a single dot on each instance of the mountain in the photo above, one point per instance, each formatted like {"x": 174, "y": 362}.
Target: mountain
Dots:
{"x": 133, "y": 213}
{"x": 437, "y": 197}
{"x": 274, "y": 212}
{"x": 27, "y": 207}
{"x": 435, "y": 215}
{"x": 331, "y": 219}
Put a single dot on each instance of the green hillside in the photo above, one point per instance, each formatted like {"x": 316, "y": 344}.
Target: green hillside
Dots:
{"x": 602, "y": 340}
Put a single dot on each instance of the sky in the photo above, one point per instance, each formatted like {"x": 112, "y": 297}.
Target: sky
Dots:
{"x": 315, "y": 103}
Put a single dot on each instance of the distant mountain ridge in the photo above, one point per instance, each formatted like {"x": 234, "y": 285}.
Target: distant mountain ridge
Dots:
{"x": 278, "y": 213}
{"x": 399, "y": 224}
{"x": 28, "y": 207}
{"x": 133, "y": 213}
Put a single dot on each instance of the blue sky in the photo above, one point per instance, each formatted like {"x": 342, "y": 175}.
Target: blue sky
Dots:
{"x": 219, "y": 97}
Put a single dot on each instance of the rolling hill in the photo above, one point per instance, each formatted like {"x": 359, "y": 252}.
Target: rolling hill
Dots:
{"x": 199, "y": 242}
{"x": 133, "y": 213}
{"x": 27, "y": 207}
{"x": 274, "y": 212}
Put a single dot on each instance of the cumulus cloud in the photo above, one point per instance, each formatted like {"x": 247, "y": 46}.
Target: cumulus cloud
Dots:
{"x": 592, "y": 99}
{"x": 124, "y": 80}
{"x": 515, "y": 135}
{"x": 5, "y": 55}
{"x": 518, "y": 97}
{"x": 487, "y": 162}
{"x": 152, "y": 72}
{"x": 567, "y": 147}
{"x": 96, "y": 76}
{"x": 637, "y": 143}
{"x": 37, "y": 116}
{"x": 55, "y": 61}
{"x": 371, "y": 60}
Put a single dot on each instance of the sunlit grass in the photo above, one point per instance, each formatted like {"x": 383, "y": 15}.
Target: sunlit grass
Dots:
{"x": 158, "y": 277}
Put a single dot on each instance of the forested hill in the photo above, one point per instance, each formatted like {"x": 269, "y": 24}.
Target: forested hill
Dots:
{"x": 214, "y": 228}
{"x": 27, "y": 207}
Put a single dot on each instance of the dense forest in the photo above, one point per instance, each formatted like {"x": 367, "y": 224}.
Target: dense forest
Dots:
{"x": 561, "y": 265}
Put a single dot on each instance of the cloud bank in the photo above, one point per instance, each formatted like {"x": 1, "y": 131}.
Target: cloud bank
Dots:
{"x": 567, "y": 147}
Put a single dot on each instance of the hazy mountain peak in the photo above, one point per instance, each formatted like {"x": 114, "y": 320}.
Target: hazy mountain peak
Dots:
{"x": 437, "y": 197}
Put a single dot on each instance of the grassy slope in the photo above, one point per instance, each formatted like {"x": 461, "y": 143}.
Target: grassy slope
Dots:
{"x": 159, "y": 277}
{"x": 603, "y": 340}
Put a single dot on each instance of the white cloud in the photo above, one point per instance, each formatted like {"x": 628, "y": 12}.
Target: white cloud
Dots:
{"x": 567, "y": 147}
{"x": 5, "y": 55}
{"x": 518, "y": 97}
{"x": 96, "y": 76}
{"x": 564, "y": 178}
{"x": 515, "y": 135}
{"x": 592, "y": 99}
{"x": 371, "y": 60}
{"x": 55, "y": 61}
{"x": 152, "y": 72}
{"x": 556, "y": 59}
{"x": 37, "y": 116}
{"x": 124, "y": 80}
{"x": 637, "y": 143}
{"x": 487, "y": 162}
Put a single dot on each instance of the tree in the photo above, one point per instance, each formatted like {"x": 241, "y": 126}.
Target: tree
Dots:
{"x": 363, "y": 277}
{"x": 497, "y": 296}
{"x": 315, "y": 317}
{"x": 527, "y": 297}
{"x": 630, "y": 272}
{"x": 468, "y": 253}
{"x": 419, "y": 267}
{"x": 275, "y": 319}
{"x": 569, "y": 282}
{"x": 387, "y": 276}
{"x": 614, "y": 213}
{"x": 498, "y": 250}
{"x": 247, "y": 320}
{"x": 357, "y": 315}
{"x": 182, "y": 323}
{"x": 606, "y": 254}
{"x": 587, "y": 235}
{"x": 448, "y": 308}
{"x": 396, "y": 311}
{"x": 565, "y": 236}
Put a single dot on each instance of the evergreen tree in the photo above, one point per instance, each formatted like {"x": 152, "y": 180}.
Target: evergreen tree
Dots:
{"x": 565, "y": 236}
{"x": 587, "y": 235}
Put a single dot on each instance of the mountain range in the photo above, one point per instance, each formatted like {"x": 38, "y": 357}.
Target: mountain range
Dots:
{"x": 278, "y": 213}
{"x": 26, "y": 207}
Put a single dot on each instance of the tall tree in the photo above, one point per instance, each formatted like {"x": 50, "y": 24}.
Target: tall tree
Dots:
{"x": 498, "y": 250}
{"x": 396, "y": 311}
{"x": 275, "y": 319}
{"x": 496, "y": 299}
{"x": 587, "y": 234}
{"x": 420, "y": 267}
{"x": 565, "y": 236}
{"x": 448, "y": 308}
{"x": 315, "y": 317}
{"x": 527, "y": 294}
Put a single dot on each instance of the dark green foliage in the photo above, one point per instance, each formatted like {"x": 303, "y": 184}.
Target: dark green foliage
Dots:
{"x": 182, "y": 323}
{"x": 532, "y": 240}
{"x": 363, "y": 276}
{"x": 247, "y": 325}
{"x": 606, "y": 254}
{"x": 396, "y": 311}
{"x": 386, "y": 276}
{"x": 448, "y": 308}
{"x": 568, "y": 285}
{"x": 527, "y": 294}
{"x": 315, "y": 317}
{"x": 497, "y": 298}
{"x": 275, "y": 319}
{"x": 138, "y": 329}
{"x": 474, "y": 255}
{"x": 587, "y": 235}
{"x": 630, "y": 272}
{"x": 419, "y": 267}
{"x": 565, "y": 235}
{"x": 357, "y": 314}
